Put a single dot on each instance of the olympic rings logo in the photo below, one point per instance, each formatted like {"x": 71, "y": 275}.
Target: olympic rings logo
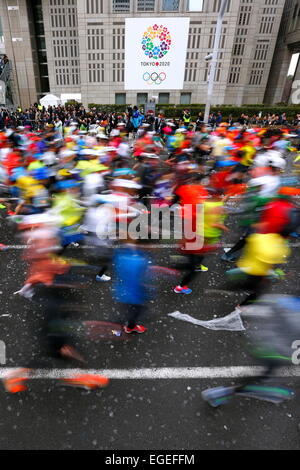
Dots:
{"x": 154, "y": 78}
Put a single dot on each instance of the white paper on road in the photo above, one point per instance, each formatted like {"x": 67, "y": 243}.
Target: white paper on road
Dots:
{"x": 231, "y": 322}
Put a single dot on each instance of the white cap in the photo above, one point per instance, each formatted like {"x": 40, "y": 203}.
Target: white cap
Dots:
{"x": 67, "y": 153}
{"x": 101, "y": 136}
{"x": 49, "y": 158}
{"x": 277, "y": 162}
{"x": 88, "y": 152}
{"x": 37, "y": 219}
{"x": 126, "y": 183}
{"x": 115, "y": 133}
{"x": 105, "y": 199}
{"x": 109, "y": 149}
{"x": 260, "y": 181}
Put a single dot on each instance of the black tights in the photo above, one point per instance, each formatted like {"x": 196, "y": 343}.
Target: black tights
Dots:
{"x": 132, "y": 313}
{"x": 241, "y": 242}
{"x": 193, "y": 262}
{"x": 256, "y": 285}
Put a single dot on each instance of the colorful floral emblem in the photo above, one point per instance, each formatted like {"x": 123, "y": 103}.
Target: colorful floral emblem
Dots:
{"x": 156, "y": 42}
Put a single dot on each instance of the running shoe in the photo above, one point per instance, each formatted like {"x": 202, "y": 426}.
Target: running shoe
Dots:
{"x": 86, "y": 381}
{"x": 137, "y": 329}
{"x": 265, "y": 393}
{"x": 14, "y": 382}
{"x": 103, "y": 278}
{"x": 218, "y": 396}
{"x": 202, "y": 269}
{"x": 183, "y": 290}
{"x": 228, "y": 258}
{"x": 69, "y": 352}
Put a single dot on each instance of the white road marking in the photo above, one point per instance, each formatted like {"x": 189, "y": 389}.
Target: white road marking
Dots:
{"x": 159, "y": 373}
{"x": 157, "y": 245}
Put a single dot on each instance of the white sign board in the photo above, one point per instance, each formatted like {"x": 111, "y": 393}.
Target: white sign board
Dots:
{"x": 155, "y": 53}
{"x": 64, "y": 97}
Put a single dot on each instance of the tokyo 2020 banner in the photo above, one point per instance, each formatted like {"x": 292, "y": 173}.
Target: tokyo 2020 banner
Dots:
{"x": 155, "y": 53}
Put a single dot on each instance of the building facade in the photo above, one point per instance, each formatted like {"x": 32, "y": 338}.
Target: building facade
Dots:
{"x": 283, "y": 78}
{"x": 75, "y": 48}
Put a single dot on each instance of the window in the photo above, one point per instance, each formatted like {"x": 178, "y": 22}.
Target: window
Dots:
{"x": 95, "y": 39}
{"x": 217, "y": 6}
{"x": 185, "y": 98}
{"x": 44, "y": 70}
{"x": 267, "y": 25}
{"x": 118, "y": 72}
{"x": 164, "y": 98}
{"x": 194, "y": 38}
{"x": 39, "y": 29}
{"x": 141, "y": 98}
{"x": 38, "y": 12}
{"x": 235, "y": 71}
{"x": 170, "y": 5}
{"x": 239, "y": 46}
{"x": 146, "y": 5}
{"x": 118, "y": 38}
{"x": 120, "y": 98}
{"x": 120, "y": 6}
{"x": 45, "y": 85}
{"x": 195, "y": 5}
{"x": 96, "y": 72}
{"x": 94, "y": 6}
{"x": 42, "y": 56}
{"x": 245, "y": 15}
{"x": 191, "y": 71}
{"x": 41, "y": 43}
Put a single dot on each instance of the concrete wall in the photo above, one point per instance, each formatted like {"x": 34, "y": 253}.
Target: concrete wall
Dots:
{"x": 18, "y": 48}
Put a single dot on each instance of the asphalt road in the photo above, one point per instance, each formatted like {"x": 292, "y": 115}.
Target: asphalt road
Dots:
{"x": 139, "y": 414}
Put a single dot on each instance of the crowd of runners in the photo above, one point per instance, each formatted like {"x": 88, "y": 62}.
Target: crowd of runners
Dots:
{"x": 91, "y": 183}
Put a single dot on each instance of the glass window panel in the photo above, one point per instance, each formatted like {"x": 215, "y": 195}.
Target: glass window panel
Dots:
{"x": 164, "y": 98}
{"x": 195, "y": 5}
{"x": 142, "y": 98}
{"x": 120, "y": 98}
{"x": 146, "y": 5}
{"x": 121, "y": 5}
{"x": 170, "y": 5}
{"x": 185, "y": 98}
